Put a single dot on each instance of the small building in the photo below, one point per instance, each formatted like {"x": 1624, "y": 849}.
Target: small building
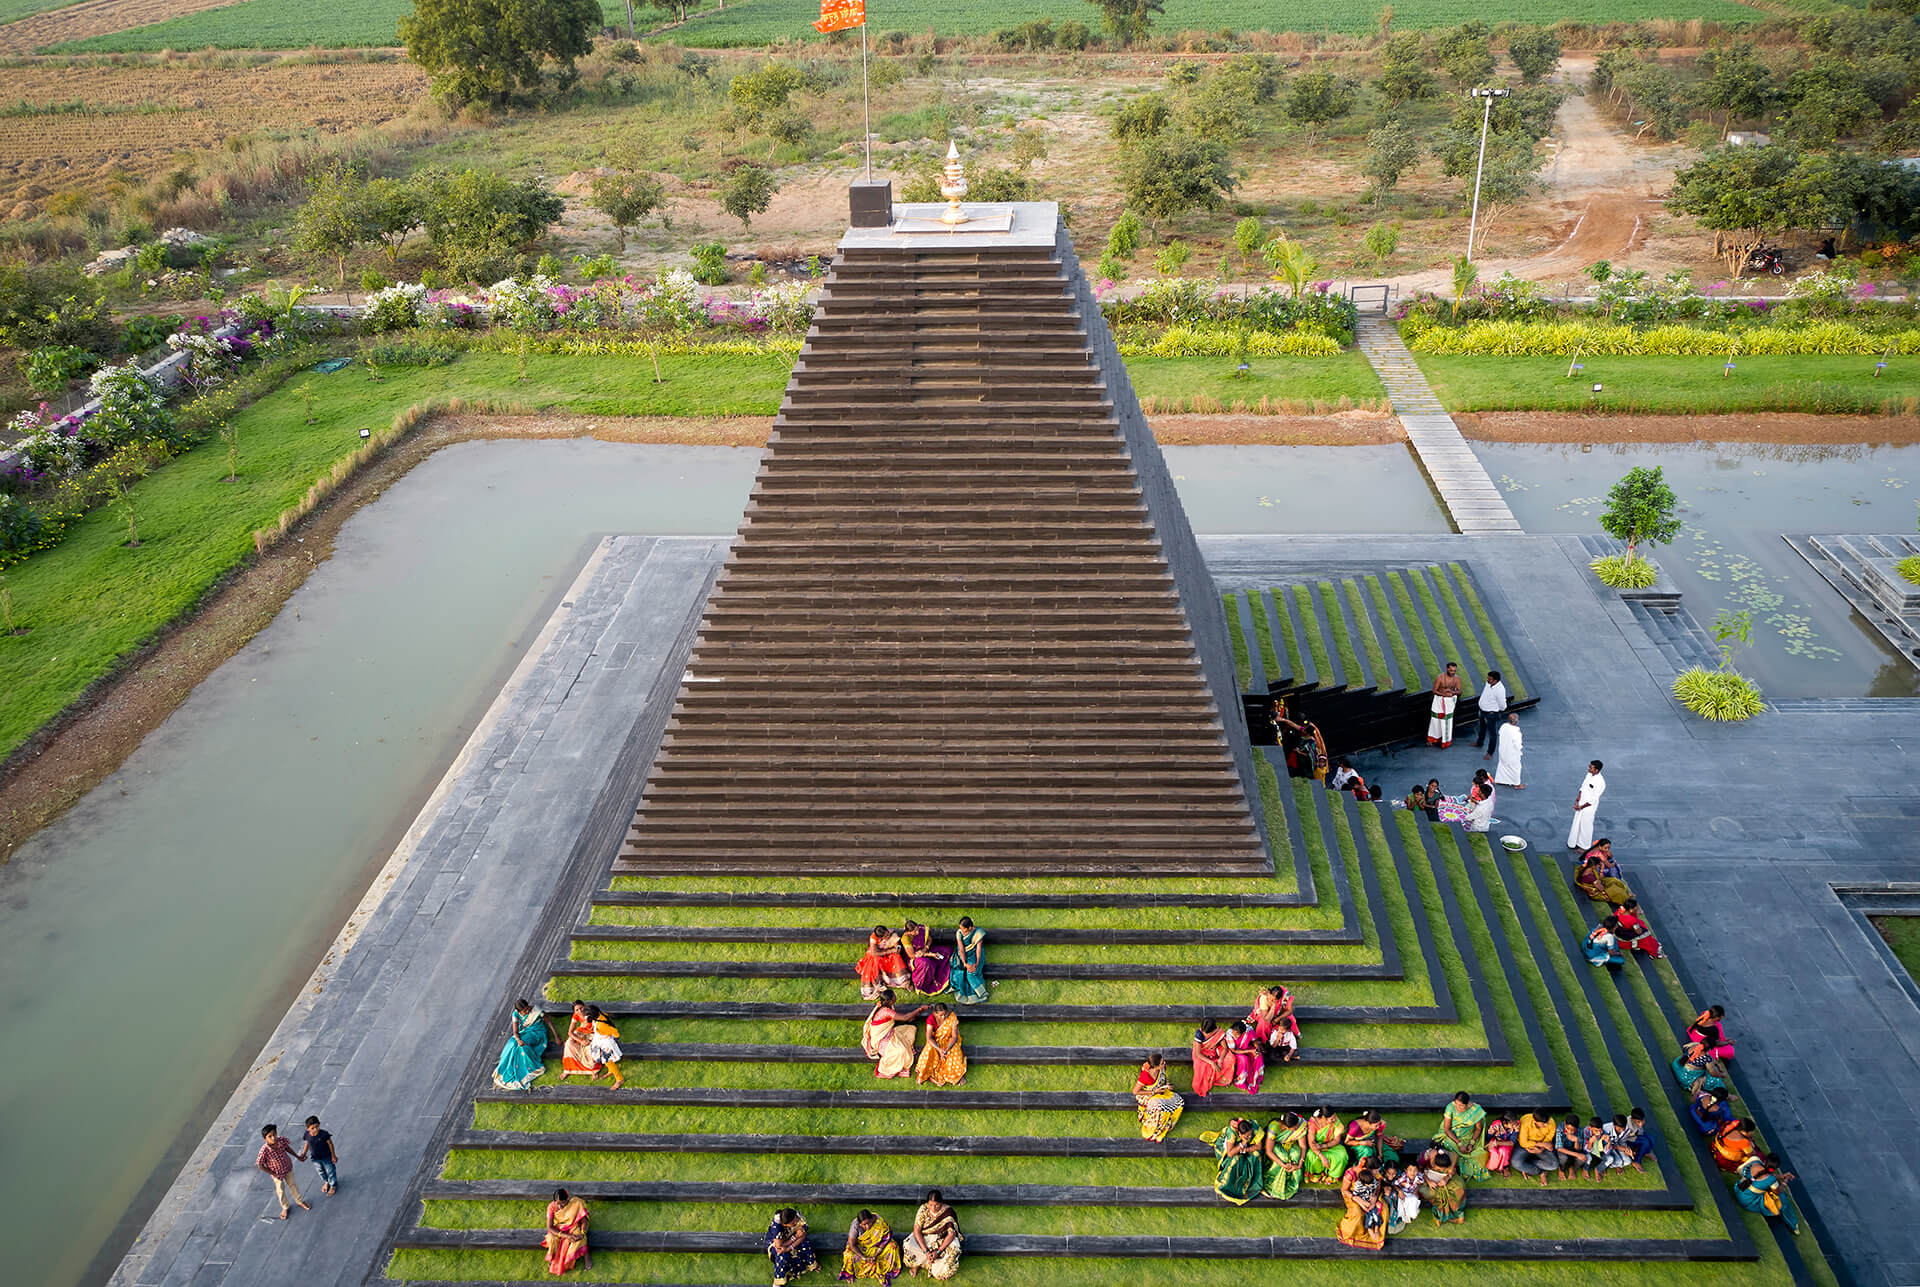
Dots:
{"x": 1748, "y": 138}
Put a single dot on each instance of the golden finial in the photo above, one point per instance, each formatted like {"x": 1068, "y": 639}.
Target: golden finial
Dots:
{"x": 953, "y": 186}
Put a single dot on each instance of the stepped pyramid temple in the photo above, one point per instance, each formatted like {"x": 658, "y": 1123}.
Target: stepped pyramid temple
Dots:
{"x": 964, "y": 659}
{"x": 954, "y": 635}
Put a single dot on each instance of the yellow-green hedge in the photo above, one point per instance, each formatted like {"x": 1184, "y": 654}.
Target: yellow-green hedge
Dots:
{"x": 1186, "y": 341}
{"x": 1563, "y": 339}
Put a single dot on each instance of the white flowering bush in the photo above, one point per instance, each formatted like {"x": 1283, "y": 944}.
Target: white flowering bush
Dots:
{"x": 209, "y": 358}
{"x": 394, "y": 308}
{"x": 675, "y": 301}
{"x": 784, "y": 306}
{"x": 524, "y": 305}
{"x": 131, "y": 408}
{"x": 53, "y": 447}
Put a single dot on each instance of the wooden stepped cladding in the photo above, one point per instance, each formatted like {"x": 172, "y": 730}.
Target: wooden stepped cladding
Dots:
{"x": 948, "y": 637}
{"x": 1357, "y": 652}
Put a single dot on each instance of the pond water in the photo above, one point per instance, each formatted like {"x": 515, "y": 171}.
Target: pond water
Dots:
{"x": 1738, "y": 498}
{"x": 158, "y": 931}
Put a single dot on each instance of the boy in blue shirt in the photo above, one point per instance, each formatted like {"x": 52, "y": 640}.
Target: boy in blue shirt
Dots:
{"x": 318, "y": 1148}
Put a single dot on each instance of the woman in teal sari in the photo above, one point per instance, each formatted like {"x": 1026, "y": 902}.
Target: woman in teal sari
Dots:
{"x": 969, "y": 968}
{"x": 1761, "y": 1187}
{"x": 1238, "y": 1173}
{"x": 522, "y": 1059}
{"x": 1285, "y": 1147}
{"x": 1695, "y": 1069}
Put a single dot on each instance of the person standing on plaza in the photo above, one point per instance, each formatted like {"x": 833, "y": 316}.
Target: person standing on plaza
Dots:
{"x": 276, "y": 1160}
{"x": 318, "y": 1148}
{"x": 1506, "y": 770}
{"x": 1446, "y": 695}
{"x": 1492, "y": 702}
{"x": 1585, "y": 806}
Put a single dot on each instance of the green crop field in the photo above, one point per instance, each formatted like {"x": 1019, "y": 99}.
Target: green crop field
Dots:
{"x": 12, "y": 9}
{"x": 270, "y": 24}
{"x": 296, "y": 24}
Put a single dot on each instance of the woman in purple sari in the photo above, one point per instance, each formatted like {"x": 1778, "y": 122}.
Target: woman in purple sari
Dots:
{"x": 931, "y": 963}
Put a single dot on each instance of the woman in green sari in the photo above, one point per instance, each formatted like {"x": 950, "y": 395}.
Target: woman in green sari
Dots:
{"x": 1238, "y": 1173}
{"x": 1463, "y": 1133}
{"x": 1326, "y": 1147}
{"x": 1285, "y": 1147}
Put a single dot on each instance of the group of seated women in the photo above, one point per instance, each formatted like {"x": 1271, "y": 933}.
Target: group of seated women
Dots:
{"x": 1759, "y": 1180}
{"x": 887, "y": 1037}
{"x": 1238, "y": 1054}
{"x": 933, "y": 1244}
{"x": 910, "y": 958}
{"x": 1625, "y": 928}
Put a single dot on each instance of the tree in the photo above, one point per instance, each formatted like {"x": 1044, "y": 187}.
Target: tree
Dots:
{"x": 626, "y": 199}
{"x": 1737, "y": 85}
{"x": 678, "y": 8}
{"x": 1317, "y": 98}
{"x": 1465, "y": 274}
{"x": 1829, "y": 102}
{"x": 1168, "y": 176}
{"x": 333, "y": 220}
{"x": 1641, "y": 510}
{"x": 479, "y": 222}
{"x": 1380, "y": 242}
{"x": 1739, "y": 194}
{"x": 1291, "y": 263}
{"x": 1466, "y": 54}
{"x": 1128, "y": 21}
{"x": 1247, "y": 235}
{"x": 1392, "y": 151}
{"x": 389, "y": 210}
{"x": 492, "y": 50}
{"x": 1403, "y": 69}
{"x": 748, "y": 193}
{"x": 754, "y": 96}
{"x": 1145, "y": 117}
{"x": 1535, "y": 51}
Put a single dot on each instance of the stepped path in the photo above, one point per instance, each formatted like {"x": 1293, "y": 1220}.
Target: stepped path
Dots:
{"x": 1468, "y": 493}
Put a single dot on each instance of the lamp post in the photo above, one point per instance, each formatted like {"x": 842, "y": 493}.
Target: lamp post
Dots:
{"x": 1486, "y": 115}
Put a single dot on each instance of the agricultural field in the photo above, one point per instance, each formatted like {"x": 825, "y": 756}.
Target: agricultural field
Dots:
{"x": 268, "y": 24}
{"x": 297, "y": 24}
{"x": 85, "y": 129}
{"x": 53, "y": 23}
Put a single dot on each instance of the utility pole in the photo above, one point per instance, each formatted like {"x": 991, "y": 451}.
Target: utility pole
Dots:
{"x": 1486, "y": 115}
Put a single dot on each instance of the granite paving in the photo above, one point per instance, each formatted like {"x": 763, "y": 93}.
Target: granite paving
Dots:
{"x": 1734, "y": 838}
{"x": 379, "y": 1045}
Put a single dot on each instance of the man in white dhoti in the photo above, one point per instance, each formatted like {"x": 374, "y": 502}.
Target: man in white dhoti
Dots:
{"x": 1506, "y": 770}
{"x": 1446, "y": 695}
{"x": 1585, "y": 805}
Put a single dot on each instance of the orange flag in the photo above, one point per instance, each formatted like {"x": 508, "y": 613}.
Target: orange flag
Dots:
{"x": 838, "y": 15}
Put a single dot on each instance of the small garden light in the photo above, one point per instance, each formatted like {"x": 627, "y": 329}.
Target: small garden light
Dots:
{"x": 1597, "y": 386}
{"x": 1878, "y": 367}
{"x": 365, "y": 434}
{"x": 1243, "y": 368}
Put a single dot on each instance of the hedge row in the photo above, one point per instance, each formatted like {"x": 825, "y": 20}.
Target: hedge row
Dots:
{"x": 1189, "y": 341}
{"x": 1564, "y": 339}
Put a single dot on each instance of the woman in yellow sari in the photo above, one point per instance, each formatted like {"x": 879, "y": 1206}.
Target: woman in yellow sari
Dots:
{"x": 1159, "y": 1104}
{"x": 1326, "y": 1147}
{"x": 871, "y": 1251}
{"x": 933, "y": 1244}
{"x": 1365, "y": 1223}
{"x": 1286, "y": 1148}
{"x": 942, "y": 1063}
{"x": 566, "y": 1240}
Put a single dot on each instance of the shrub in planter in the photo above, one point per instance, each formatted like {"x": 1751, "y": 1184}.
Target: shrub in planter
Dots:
{"x": 131, "y": 409}
{"x": 1721, "y": 695}
{"x": 1623, "y": 573}
{"x": 393, "y": 308}
{"x": 1909, "y": 568}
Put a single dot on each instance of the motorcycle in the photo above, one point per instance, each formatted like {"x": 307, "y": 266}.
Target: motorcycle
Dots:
{"x": 1767, "y": 259}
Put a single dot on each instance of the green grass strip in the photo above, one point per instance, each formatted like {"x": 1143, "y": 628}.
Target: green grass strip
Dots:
{"x": 1237, "y": 640}
{"x": 1492, "y": 634}
{"x": 1275, "y": 599}
{"x": 1263, "y": 636}
{"x": 1342, "y": 641}
{"x": 1437, "y": 620}
{"x": 1277, "y": 955}
{"x": 1415, "y": 627}
{"x": 1363, "y": 626}
{"x": 1437, "y": 578}
{"x": 1317, "y": 646}
{"x": 1403, "y": 659}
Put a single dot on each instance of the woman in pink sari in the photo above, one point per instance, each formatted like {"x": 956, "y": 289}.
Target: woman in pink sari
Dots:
{"x": 1213, "y": 1061}
{"x": 1249, "y": 1059}
{"x": 930, "y": 962}
{"x": 1273, "y": 1022}
{"x": 566, "y": 1241}
{"x": 887, "y": 1037}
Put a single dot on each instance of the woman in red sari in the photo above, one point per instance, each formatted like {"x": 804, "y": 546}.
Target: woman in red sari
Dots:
{"x": 566, "y": 1240}
{"x": 884, "y": 965}
{"x": 1634, "y": 932}
{"x": 1213, "y": 1061}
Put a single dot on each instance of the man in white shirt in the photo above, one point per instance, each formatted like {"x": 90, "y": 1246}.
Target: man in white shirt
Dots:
{"x": 1493, "y": 711}
{"x": 1585, "y": 805}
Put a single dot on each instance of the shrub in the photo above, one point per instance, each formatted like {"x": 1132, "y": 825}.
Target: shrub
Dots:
{"x": 525, "y": 306}
{"x": 1909, "y": 568}
{"x": 1623, "y": 573}
{"x": 394, "y": 308}
{"x": 131, "y": 408}
{"x": 710, "y": 263}
{"x": 1124, "y": 240}
{"x": 50, "y": 368}
{"x": 411, "y": 353}
{"x": 1423, "y": 334}
{"x": 1718, "y": 694}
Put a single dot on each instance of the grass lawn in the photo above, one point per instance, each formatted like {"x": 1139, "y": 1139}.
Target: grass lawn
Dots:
{"x": 1903, "y": 936}
{"x": 1208, "y": 383}
{"x": 91, "y": 599}
{"x": 1671, "y": 384}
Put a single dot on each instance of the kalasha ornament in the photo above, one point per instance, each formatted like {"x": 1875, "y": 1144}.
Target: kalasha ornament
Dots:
{"x": 953, "y": 186}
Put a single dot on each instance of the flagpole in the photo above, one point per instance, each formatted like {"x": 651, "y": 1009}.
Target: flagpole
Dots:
{"x": 866, "y": 102}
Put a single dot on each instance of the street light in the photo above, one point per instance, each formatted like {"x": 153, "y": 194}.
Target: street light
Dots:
{"x": 1486, "y": 114}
